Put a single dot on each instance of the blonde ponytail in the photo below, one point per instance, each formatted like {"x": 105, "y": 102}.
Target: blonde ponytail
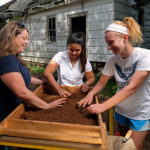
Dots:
{"x": 134, "y": 30}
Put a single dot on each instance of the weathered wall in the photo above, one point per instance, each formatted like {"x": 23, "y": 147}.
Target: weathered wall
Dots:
{"x": 146, "y": 32}
{"x": 99, "y": 13}
{"x": 125, "y": 8}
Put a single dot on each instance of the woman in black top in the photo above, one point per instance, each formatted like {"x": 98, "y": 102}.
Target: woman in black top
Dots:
{"x": 14, "y": 76}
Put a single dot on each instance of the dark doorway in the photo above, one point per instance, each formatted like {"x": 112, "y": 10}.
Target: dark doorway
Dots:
{"x": 78, "y": 24}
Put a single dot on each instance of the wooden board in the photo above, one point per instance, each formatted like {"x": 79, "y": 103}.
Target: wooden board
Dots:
{"x": 13, "y": 126}
{"x": 53, "y": 145}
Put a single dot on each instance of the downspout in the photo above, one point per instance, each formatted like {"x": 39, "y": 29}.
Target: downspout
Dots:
{"x": 140, "y": 13}
{"x": 82, "y": 5}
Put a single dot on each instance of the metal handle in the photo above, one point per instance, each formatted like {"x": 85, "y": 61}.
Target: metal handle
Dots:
{"x": 127, "y": 136}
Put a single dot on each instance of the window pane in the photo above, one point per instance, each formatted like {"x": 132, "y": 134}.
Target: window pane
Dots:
{"x": 52, "y": 30}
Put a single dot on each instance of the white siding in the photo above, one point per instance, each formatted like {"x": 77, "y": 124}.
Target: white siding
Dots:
{"x": 99, "y": 14}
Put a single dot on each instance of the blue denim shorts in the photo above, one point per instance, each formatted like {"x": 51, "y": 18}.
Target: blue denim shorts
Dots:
{"x": 136, "y": 125}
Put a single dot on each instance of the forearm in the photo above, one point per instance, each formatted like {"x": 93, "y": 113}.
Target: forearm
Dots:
{"x": 29, "y": 97}
{"x": 35, "y": 80}
{"x": 100, "y": 84}
{"x": 135, "y": 82}
{"x": 90, "y": 81}
{"x": 51, "y": 80}
{"x": 119, "y": 97}
{"x": 98, "y": 87}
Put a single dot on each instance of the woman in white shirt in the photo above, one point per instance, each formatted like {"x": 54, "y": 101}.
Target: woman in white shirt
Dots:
{"x": 71, "y": 66}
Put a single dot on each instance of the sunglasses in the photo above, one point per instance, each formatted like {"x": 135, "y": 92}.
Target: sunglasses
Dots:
{"x": 20, "y": 25}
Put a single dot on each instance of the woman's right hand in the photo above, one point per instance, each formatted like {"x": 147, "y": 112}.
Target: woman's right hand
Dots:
{"x": 85, "y": 101}
{"x": 57, "y": 103}
{"x": 64, "y": 93}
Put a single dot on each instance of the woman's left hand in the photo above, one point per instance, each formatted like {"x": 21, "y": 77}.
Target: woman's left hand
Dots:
{"x": 84, "y": 88}
{"x": 96, "y": 108}
{"x": 57, "y": 103}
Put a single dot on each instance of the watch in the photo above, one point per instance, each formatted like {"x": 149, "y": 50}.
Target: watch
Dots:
{"x": 87, "y": 83}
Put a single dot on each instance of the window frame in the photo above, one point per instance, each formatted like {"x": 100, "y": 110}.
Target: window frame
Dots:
{"x": 52, "y": 29}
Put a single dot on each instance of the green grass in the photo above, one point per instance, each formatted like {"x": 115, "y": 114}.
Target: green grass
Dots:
{"x": 110, "y": 88}
{"x": 35, "y": 69}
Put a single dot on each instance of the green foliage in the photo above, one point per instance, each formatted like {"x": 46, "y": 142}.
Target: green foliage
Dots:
{"x": 110, "y": 88}
{"x": 35, "y": 69}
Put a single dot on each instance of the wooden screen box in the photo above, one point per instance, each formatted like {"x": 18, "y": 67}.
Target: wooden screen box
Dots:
{"x": 13, "y": 125}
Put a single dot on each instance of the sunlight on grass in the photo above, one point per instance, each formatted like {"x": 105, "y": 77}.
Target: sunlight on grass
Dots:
{"x": 35, "y": 69}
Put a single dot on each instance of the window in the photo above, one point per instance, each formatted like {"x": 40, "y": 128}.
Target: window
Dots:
{"x": 52, "y": 29}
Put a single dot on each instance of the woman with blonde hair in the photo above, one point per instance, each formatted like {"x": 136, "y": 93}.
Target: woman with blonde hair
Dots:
{"x": 130, "y": 67}
{"x": 14, "y": 76}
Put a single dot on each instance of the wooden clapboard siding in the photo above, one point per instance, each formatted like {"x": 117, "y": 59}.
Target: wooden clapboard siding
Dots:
{"x": 99, "y": 14}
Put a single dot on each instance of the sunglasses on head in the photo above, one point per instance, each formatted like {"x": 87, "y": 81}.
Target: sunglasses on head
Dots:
{"x": 20, "y": 25}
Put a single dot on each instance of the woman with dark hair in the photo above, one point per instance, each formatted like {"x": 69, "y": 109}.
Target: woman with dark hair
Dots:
{"x": 14, "y": 76}
{"x": 71, "y": 66}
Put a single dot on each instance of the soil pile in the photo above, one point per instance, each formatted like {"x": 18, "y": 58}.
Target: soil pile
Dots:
{"x": 69, "y": 113}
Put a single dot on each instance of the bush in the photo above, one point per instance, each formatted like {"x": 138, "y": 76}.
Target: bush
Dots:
{"x": 36, "y": 69}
